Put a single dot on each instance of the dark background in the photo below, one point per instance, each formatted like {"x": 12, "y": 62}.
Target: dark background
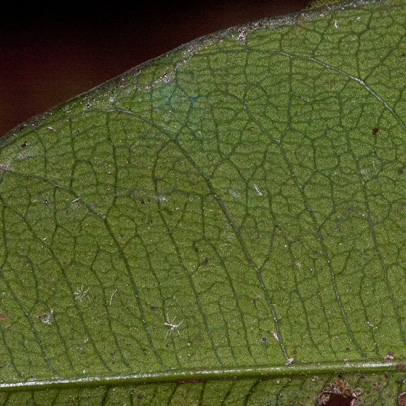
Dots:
{"x": 48, "y": 55}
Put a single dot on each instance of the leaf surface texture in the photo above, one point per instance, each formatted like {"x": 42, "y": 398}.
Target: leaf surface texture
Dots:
{"x": 234, "y": 208}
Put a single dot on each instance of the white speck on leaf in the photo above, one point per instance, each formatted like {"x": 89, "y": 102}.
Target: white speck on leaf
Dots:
{"x": 81, "y": 293}
{"x": 242, "y": 36}
{"x": 257, "y": 190}
{"x": 112, "y": 295}
{"x": 161, "y": 198}
{"x": 235, "y": 194}
{"x": 46, "y": 317}
{"x": 389, "y": 356}
{"x": 172, "y": 326}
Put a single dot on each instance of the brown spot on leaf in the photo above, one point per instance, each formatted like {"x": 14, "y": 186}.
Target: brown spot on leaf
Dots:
{"x": 334, "y": 399}
{"x": 375, "y": 130}
{"x": 337, "y": 394}
{"x": 3, "y": 317}
{"x": 402, "y": 398}
{"x": 340, "y": 400}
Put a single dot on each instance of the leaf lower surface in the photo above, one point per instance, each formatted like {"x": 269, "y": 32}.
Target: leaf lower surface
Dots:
{"x": 222, "y": 225}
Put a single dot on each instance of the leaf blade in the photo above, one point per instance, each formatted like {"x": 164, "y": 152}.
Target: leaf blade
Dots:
{"x": 233, "y": 204}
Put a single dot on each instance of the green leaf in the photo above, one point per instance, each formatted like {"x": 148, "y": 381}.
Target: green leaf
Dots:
{"x": 222, "y": 225}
